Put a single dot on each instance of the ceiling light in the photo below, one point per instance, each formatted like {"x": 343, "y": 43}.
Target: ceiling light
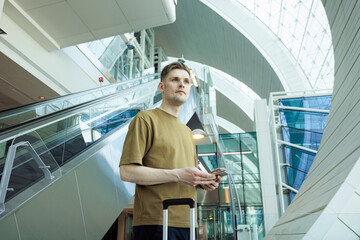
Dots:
{"x": 42, "y": 97}
{"x": 199, "y": 134}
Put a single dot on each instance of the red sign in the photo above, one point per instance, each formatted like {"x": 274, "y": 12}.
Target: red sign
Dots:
{"x": 101, "y": 79}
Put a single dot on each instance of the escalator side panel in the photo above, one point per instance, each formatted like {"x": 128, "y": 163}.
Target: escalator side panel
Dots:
{"x": 8, "y": 229}
{"x": 80, "y": 205}
{"x": 101, "y": 172}
{"x": 54, "y": 214}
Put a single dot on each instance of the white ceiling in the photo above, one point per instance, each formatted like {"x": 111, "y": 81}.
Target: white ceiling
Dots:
{"x": 61, "y": 23}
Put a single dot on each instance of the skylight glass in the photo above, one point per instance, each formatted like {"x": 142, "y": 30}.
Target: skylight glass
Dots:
{"x": 303, "y": 27}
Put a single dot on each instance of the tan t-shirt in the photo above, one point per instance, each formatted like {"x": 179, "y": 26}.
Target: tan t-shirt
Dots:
{"x": 158, "y": 139}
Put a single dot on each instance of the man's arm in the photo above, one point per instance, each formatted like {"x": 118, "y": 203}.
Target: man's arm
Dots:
{"x": 150, "y": 176}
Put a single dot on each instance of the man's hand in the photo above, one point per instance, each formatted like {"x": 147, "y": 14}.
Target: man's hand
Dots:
{"x": 213, "y": 185}
{"x": 193, "y": 176}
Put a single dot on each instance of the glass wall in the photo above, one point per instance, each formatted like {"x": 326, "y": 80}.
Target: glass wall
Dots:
{"x": 303, "y": 127}
{"x": 240, "y": 153}
{"x": 122, "y": 57}
{"x": 303, "y": 28}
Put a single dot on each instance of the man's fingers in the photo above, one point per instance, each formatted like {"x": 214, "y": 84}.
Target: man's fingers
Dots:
{"x": 205, "y": 175}
{"x": 210, "y": 187}
{"x": 193, "y": 176}
{"x": 207, "y": 182}
{"x": 218, "y": 179}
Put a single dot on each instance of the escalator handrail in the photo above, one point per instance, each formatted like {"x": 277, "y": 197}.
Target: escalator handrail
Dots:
{"x": 71, "y": 95}
{"x": 35, "y": 123}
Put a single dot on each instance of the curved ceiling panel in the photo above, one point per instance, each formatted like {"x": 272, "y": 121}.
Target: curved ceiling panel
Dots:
{"x": 229, "y": 111}
{"x": 201, "y": 35}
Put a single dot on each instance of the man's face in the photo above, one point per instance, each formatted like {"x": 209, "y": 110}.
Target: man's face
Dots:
{"x": 176, "y": 87}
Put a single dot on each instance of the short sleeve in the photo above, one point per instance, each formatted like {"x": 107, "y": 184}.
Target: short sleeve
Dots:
{"x": 137, "y": 142}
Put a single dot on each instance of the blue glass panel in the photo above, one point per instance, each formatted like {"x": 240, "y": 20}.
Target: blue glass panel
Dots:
{"x": 309, "y": 139}
{"x": 304, "y": 129}
{"x": 300, "y": 162}
{"x": 113, "y": 120}
{"x": 311, "y": 121}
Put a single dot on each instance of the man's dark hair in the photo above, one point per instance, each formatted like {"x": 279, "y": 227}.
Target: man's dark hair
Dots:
{"x": 172, "y": 66}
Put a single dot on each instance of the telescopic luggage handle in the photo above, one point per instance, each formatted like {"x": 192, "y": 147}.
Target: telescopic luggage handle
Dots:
{"x": 179, "y": 201}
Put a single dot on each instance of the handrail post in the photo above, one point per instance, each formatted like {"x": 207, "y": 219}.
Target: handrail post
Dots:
{"x": 10, "y": 158}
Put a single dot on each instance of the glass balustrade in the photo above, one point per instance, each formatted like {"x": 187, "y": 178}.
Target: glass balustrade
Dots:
{"x": 12, "y": 117}
{"x": 61, "y": 138}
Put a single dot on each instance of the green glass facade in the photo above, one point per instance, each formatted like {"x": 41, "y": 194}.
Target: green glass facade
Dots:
{"x": 240, "y": 154}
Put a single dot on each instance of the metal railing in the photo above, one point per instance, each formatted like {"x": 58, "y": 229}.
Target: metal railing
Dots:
{"x": 275, "y": 126}
{"x": 231, "y": 182}
{"x": 10, "y": 158}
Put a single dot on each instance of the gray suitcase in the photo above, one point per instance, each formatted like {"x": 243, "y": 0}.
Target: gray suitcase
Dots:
{"x": 179, "y": 201}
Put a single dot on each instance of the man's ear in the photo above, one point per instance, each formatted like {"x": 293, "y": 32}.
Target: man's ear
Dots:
{"x": 161, "y": 86}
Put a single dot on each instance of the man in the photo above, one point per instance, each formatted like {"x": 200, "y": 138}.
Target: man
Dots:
{"x": 159, "y": 156}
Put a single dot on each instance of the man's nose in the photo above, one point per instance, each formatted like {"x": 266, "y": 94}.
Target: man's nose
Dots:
{"x": 181, "y": 84}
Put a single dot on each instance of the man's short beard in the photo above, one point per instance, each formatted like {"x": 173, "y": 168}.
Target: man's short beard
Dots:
{"x": 177, "y": 101}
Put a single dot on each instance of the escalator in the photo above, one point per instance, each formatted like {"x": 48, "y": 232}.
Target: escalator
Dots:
{"x": 59, "y": 162}
{"x": 24, "y": 114}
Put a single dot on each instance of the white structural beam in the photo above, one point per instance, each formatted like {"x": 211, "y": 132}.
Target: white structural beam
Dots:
{"x": 296, "y": 146}
{"x": 266, "y": 165}
{"x": 301, "y": 109}
{"x": 15, "y": 11}
{"x": 279, "y": 58}
{"x": 1, "y": 9}
{"x": 289, "y": 188}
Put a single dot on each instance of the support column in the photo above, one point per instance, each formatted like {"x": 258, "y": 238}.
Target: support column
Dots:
{"x": 266, "y": 165}
{"x": 1, "y": 9}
